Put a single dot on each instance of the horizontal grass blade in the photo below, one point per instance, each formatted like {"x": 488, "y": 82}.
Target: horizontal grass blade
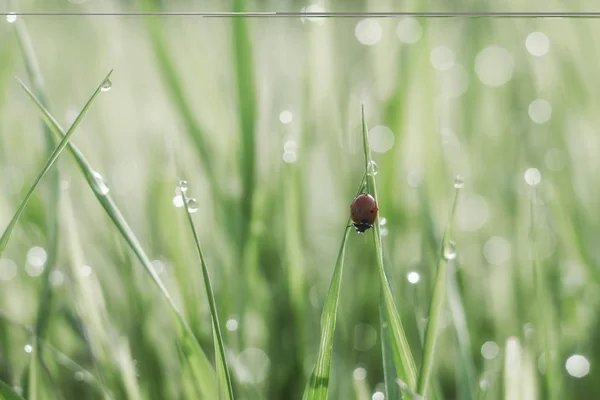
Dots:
{"x": 223, "y": 375}
{"x": 203, "y": 371}
{"x": 437, "y": 300}
{"x": 405, "y": 364}
{"x": 51, "y": 160}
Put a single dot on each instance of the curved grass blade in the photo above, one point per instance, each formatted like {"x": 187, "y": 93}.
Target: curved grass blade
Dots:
{"x": 201, "y": 368}
{"x": 437, "y": 298}
{"x": 405, "y": 364}
{"x": 53, "y": 157}
{"x": 7, "y": 393}
{"x": 318, "y": 384}
{"x": 223, "y": 375}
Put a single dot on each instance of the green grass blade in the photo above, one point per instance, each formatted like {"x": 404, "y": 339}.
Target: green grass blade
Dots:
{"x": 51, "y": 160}
{"x": 318, "y": 384}
{"x": 437, "y": 298}
{"x": 175, "y": 87}
{"x": 201, "y": 367}
{"x": 392, "y": 391}
{"x": 7, "y": 393}
{"x": 223, "y": 375}
{"x": 247, "y": 112}
{"x": 36, "y": 79}
{"x": 405, "y": 364}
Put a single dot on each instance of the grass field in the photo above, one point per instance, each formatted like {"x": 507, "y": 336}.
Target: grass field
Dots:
{"x": 478, "y": 137}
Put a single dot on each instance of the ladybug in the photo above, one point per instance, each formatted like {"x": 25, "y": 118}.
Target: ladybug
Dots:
{"x": 363, "y": 212}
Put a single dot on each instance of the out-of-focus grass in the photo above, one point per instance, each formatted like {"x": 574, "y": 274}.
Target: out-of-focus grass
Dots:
{"x": 186, "y": 93}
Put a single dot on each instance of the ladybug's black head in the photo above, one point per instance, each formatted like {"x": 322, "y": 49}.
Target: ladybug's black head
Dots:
{"x": 361, "y": 226}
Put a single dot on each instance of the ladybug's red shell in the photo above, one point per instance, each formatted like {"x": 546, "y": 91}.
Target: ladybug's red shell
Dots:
{"x": 363, "y": 212}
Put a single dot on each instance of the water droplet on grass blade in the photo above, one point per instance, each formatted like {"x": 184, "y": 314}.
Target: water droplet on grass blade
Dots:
{"x": 178, "y": 201}
{"x": 28, "y": 348}
{"x": 450, "y": 250}
{"x": 11, "y": 17}
{"x": 372, "y": 168}
{"x": 182, "y": 186}
{"x": 106, "y": 85}
{"x": 459, "y": 182}
{"x": 192, "y": 205}
{"x": 99, "y": 185}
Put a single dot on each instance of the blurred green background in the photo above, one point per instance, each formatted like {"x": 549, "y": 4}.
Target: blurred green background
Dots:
{"x": 262, "y": 117}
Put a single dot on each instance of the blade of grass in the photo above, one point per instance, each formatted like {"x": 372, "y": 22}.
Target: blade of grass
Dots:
{"x": 437, "y": 299}
{"x": 225, "y": 385}
{"x": 53, "y": 157}
{"x": 247, "y": 112}
{"x": 201, "y": 367}
{"x": 389, "y": 369}
{"x": 36, "y": 79}
{"x": 405, "y": 364}
{"x": 318, "y": 385}
{"x": 61, "y": 358}
{"x": 544, "y": 308}
{"x": 7, "y": 393}
{"x": 459, "y": 318}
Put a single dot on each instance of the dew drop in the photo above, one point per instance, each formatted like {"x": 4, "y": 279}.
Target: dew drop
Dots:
{"x": 106, "y": 85}
{"x": 182, "y": 186}
{"x": 459, "y": 182}
{"x": 494, "y": 66}
{"x": 11, "y": 17}
{"x": 409, "y": 30}
{"x": 490, "y": 350}
{"x": 533, "y": 176}
{"x": 372, "y": 168}
{"x": 99, "y": 185}
{"x": 382, "y": 221}
{"x": 540, "y": 111}
{"x": 450, "y": 251}
{"x": 232, "y": 324}
{"x": 192, "y": 205}
{"x": 286, "y": 116}
{"x": 537, "y": 44}
{"x": 577, "y": 366}
{"x": 378, "y": 396}
{"x": 178, "y": 201}
{"x": 413, "y": 277}
{"x": 28, "y": 348}
{"x": 368, "y": 31}
{"x": 315, "y": 9}
{"x": 359, "y": 374}
{"x": 85, "y": 271}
